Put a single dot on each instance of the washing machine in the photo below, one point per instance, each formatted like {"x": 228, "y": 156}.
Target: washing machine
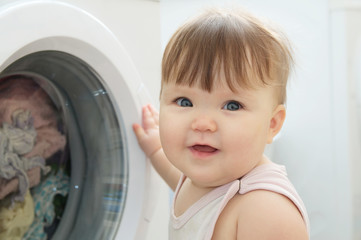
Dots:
{"x": 345, "y": 21}
{"x": 95, "y": 63}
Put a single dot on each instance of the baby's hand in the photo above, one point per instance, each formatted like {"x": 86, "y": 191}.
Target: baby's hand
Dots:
{"x": 148, "y": 133}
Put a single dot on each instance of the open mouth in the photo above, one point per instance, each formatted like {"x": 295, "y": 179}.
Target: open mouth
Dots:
{"x": 203, "y": 150}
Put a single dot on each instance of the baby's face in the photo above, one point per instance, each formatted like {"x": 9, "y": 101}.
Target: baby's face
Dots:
{"x": 215, "y": 138}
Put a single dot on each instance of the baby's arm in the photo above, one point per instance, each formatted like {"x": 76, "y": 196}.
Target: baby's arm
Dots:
{"x": 149, "y": 140}
{"x": 260, "y": 214}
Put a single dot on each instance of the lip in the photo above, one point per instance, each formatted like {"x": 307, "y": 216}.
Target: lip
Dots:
{"x": 203, "y": 150}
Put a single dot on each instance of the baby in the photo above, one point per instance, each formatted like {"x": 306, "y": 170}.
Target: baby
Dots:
{"x": 224, "y": 76}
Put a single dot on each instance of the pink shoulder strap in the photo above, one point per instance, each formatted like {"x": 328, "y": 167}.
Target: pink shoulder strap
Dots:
{"x": 271, "y": 177}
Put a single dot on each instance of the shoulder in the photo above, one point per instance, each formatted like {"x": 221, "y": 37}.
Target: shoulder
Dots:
{"x": 262, "y": 214}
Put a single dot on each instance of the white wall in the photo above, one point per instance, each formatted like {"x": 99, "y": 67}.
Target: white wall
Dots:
{"x": 346, "y": 78}
{"x": 306, "y": 144}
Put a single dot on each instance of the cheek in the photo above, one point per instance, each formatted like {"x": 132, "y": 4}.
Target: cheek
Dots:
{"x": 168, "y": 129}
{"x": 249, "y": 140}
{"x": 171, "y": 141}
{"x": 164, "y": 128}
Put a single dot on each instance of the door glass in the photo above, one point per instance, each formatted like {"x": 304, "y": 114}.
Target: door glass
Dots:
{"x": 63, "y": 157}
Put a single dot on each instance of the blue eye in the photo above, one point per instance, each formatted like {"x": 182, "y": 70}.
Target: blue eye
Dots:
{"x": 232, "y": 106}
{"x": 184, "y": 102}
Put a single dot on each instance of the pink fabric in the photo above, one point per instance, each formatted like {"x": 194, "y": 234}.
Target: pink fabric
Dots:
{"x": 22, "y": 93}
{"x": 270, "y": 176}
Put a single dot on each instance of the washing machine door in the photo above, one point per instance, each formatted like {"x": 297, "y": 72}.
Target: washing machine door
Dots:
{"x": 96, "y": 184}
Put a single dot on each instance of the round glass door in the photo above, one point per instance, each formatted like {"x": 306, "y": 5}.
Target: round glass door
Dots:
{"x": 63, "y": 155}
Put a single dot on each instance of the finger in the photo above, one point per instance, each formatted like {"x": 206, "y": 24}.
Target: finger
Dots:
{"x": 138, "y": 130}
{"x": 148, "y": 120}
{"x": 154, "y": 113}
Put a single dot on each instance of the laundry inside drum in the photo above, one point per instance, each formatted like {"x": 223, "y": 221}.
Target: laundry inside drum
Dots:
{"x": 34, "y": 161}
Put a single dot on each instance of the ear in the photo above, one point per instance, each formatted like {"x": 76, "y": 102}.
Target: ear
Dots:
{"x": 276, "y": 122}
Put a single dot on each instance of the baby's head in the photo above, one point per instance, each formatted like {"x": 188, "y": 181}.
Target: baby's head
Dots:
{"x": 228, "y": 45}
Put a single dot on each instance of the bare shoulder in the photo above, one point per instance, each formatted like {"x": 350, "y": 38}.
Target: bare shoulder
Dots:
{"x": 261, "y": 214}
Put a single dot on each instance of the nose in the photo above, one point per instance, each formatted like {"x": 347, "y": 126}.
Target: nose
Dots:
{"x": 204, "y": 124}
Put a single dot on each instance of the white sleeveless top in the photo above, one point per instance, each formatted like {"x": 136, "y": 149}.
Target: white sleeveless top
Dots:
{"x": 198, "y": 221}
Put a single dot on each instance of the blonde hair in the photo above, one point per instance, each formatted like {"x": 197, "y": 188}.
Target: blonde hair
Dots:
{"x": 249, "y": 52}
